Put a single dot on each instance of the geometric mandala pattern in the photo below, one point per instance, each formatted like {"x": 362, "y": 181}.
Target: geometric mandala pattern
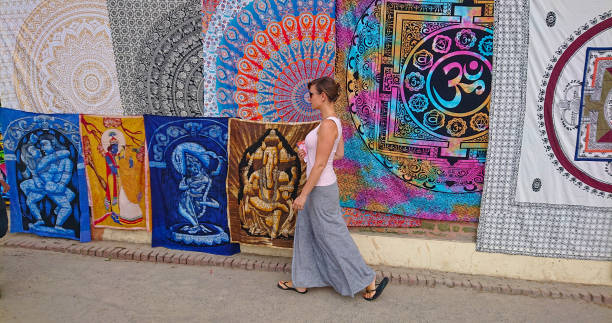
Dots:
{"x": 159, "y": 55}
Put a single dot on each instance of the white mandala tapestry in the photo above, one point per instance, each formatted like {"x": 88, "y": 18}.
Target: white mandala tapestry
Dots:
{"x": 57, "y": 57}
{"x": 548, "y": 184}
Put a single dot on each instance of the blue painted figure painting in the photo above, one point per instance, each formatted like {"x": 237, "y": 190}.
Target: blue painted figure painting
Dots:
{"x": 46, "y": 173}
{"x": 188, "y": 169}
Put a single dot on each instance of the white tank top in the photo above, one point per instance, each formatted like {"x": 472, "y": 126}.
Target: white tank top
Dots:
{"x": 328, "y": 176}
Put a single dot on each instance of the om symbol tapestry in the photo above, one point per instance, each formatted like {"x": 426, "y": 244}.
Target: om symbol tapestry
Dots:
{"x": 265, "y": 175}
{"x": 269, "y": 52}
{"x": 417, "y": 84}
{"x": 188, "y": 169}
{"x": 46, "y": 173}
{"x": 116, "y": 168}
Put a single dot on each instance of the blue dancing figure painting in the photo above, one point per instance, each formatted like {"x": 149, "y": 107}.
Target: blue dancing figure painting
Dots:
{"x": 188, "y": 169}
{"x": 46, "y": 173}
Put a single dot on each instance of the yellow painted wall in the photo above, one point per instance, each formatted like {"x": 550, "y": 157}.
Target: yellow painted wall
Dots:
{"x": 462, "y": 257}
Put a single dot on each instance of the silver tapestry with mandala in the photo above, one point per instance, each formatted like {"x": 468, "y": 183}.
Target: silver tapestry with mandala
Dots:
{"x": 158, "y": 51}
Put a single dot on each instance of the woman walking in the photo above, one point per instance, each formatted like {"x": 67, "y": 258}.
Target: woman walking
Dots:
{"x": 324, "y": 254}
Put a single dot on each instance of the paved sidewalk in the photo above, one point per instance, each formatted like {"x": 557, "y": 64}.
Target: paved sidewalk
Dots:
{"x": 405, "y": 276}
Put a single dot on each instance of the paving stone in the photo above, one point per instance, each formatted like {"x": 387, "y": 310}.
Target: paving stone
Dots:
{"x": 219, "y": 260}
{"x": 160, "y": 256}
{"x": 420, "y": 280}
{"x": 144, "y": 255}
{"x": 585, "y": 296}
{"x": 122, "y": 254}
{"x": 249, "y": 264}
{"x": 183, "y": 258}
{"x": 597, "y": 298}
{"x": 137, "y": 254}
{"x": 265, "y": 266}
{"x": 449, "y": 283}
{"x": 395, "y": 277}
{"x": 190, "y": 260}
{"x": 228, "y": 262}
{"x": 203, "y": 260}
{"x": 287, "y": 268}
{"x": 476, "y": 285}
{"x": 115, "y": 253}
{"x": 74, "y": 249}
{"x": 256, "y": 264}
{"x": 99, "y": 252}
{"x": 430, "y": 282}
{"x": 505, "y": 289}
{"x": 412, "y": 279}
{"x": 515, "y": 291}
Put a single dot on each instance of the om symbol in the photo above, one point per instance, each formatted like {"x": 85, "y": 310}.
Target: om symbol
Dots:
{"x": 453, "y": 99}
{"x": 463, "y": 71}
{"x": 457, "y": 83}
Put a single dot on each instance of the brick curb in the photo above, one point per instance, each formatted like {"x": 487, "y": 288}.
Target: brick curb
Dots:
{"x": 401, "y": 276}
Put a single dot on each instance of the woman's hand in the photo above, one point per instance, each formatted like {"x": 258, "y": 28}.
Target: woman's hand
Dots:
{"x": 301, "y": 153}
{"x": 299, "y": 202}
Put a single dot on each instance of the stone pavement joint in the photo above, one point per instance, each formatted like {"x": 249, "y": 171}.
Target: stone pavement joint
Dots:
{"x": 601, "y": 295}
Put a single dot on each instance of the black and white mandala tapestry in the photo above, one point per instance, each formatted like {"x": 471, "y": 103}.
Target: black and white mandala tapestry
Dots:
{"x": 548, "y": 178}
{"x": 158, "y": 52}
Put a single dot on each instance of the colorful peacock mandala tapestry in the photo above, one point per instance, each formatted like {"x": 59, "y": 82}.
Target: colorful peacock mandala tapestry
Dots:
{"x": 416, "y": 87}
{"x": 46, "y": 173}
{"x": 188, "y": 160}
{"x": 57, "y": 57}
{"x": 268, "y": 52}
{"x": 548, "y": 187}
{"x": 117, "y": 171}
{"x": 264, "y": 176}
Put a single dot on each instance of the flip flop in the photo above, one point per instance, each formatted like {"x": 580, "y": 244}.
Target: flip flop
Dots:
{"x": 378, "y": 291}
{"x": 283, "y": 285}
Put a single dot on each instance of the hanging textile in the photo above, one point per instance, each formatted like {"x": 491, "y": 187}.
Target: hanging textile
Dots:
{"x": 188, "y": 160}
{"x": 46, "y": 174}
{"x": 266, "y": 52}
{"x": 265, "y": 175}
{"x": 57, "y": 57}
{"x": 416, "y": 80}
{"x": 158, "y": 55}
{"x": 117, "y": 171}
{"x": 548, "y": 187}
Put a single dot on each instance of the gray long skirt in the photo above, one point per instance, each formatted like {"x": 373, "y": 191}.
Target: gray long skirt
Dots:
{"x": 324, "y": 254}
